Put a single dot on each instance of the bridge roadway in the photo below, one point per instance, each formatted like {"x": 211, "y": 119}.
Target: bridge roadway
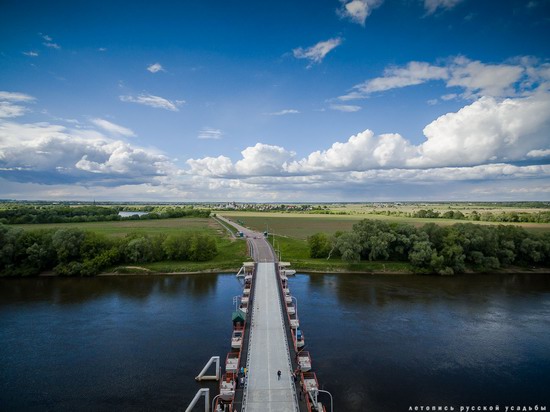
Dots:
{"x": 268, "y": 350}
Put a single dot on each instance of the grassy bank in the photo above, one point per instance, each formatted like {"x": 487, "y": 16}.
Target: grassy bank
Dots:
{"x": 296, "y": 252}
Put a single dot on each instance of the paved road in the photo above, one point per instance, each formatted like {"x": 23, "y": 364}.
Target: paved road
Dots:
{"x": 268, "y": 350}
{"x": 261, "y": 250}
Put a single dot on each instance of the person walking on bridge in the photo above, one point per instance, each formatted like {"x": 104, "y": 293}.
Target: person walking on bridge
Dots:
{"x": 278, "y": 375}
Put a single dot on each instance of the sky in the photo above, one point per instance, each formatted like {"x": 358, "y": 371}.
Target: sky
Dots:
{"x": 275, "y": 101}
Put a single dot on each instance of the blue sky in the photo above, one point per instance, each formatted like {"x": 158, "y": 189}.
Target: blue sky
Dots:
{"x": 329, "y": 100}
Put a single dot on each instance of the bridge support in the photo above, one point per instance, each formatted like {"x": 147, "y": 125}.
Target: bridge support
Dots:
{"x": 202, "y": 375}
{"x": 206, "y": 393}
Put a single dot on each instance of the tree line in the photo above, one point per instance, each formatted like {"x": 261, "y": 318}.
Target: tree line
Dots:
{"x": 23, "y": 214}
{"x": 504, "y": 217}
{"x": 76, "y": 252}
{"x": 435, "y": 249}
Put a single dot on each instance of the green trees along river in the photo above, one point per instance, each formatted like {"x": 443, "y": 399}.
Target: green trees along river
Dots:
{"x": 75, "y": 252}
{"x": 435, "y": 249}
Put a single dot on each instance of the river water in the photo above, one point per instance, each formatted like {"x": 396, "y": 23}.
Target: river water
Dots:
{"x": 379, "y": 343}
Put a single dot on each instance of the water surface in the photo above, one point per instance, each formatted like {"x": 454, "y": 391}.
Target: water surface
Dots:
{"x": 379, "y": 343}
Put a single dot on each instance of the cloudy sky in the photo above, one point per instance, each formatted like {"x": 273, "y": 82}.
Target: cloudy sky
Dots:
{"x": 272, "y": 100}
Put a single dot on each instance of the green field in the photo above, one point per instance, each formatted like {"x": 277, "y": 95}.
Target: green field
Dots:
{"x": 136, "y": 226}
{"x": 231, "y": 252}
{"x": 301, "y": 225}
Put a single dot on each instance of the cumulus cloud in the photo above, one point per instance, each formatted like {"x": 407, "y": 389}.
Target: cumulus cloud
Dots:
{"x": 357, "y": 11}
{"x": 362, "y": 151}
{"x": 487, "y": 130}
{"x": 432, "y": 6}
{"x": 154, "y": 101}
{"x": 155, "y": 68}
{"x": 220, "y": 166}
{"x": 283, "y": 112}
{"x": 258, "y": 160}
{"x": 49, "y": 154}
{"x": 315, "y": 54}
{"x": 112, "y": 128}
{"x": 476, "y": 78}
{"x": 209, "y": 133}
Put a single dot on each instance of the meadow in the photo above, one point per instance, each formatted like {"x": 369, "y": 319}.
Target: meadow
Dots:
{"x": 302, "y": 225}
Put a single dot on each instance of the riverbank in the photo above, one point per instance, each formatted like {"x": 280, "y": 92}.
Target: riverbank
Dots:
{"x": 141, "y": 271}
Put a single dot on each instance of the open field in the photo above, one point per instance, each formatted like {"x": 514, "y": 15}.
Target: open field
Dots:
{"x": 301, "y": 225}
{"x": 466, "y": 208}
{"x": 151, "y": 227}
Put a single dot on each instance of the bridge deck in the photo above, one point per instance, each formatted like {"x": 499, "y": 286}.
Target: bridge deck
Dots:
{"x": 268, "y": 351}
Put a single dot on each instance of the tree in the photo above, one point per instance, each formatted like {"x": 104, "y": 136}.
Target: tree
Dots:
{"x": 319, "y": 245}
{"x": 138, "y": 250}
{"x": 203, "y": 247}
{"x": 67, "y": 244}
{"x": 349, "y": 247}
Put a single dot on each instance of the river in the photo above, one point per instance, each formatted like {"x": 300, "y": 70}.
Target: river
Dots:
{"x": 379, "y": 343}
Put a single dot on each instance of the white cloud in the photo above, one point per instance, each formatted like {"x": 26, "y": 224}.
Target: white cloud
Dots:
{"x": 283, "y": 112}
{"x": 220, "y": 166}
{"x": 487, "y": 130}
{"x": 413, "y": 73}
{"x": 357, "y": 11}
{"x": 48, "y": 41}
{"x": 479, "y": 79}
{"x": 432, "y": 102}
{"x": 153, "y": 101}
{"x": 258, "y": 160}
{"x": 539, "y": 153}
{"x": 7, "y": 106}
{"x": 52, "y": 154}
{"x": 209, "y": 133}
{"x": 474, "y": 77}
{"x": 315, "y": 54}
{"x": 263, "y": 159}
{"x": 362, "y": 151}
{"x": 449, "y": 96}
{"x": 16, "y": 97}
{"x": 155, "y": 68}
{"x": 112, "y": 128}
{"x": 431, "y": 6}
{"x": 102, "y": 49}
{"x": 31, "y": 53}
{"x": 345, "y": 107}
{"x": 52, "y": 45}
{"x": 8, "y": 109}
{"x": 49, "y": 154}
